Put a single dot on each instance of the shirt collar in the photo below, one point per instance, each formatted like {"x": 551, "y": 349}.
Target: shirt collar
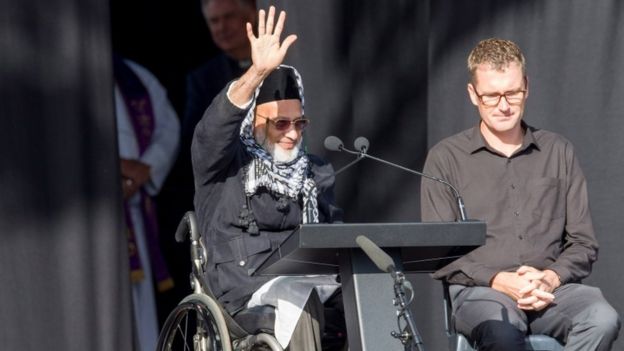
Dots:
{"x": 477, "y": 142}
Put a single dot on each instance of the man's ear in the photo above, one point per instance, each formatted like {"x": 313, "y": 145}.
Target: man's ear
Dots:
{"x": 260, "y": 133}
{"x": 472, "y": 94}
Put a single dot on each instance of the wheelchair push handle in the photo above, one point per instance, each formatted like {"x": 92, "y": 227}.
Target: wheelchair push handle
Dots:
{"x": 188, "y": 225}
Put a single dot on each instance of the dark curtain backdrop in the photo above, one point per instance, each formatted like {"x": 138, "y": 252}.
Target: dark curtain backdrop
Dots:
{"x": 395, "y": 72}
{"x": 364, "y": 70}
{"x": 63, "y": 257}
{"x": 392, "y": 71}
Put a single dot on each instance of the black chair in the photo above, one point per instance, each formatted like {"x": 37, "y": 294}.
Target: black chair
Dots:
{"x": 459, "y": 342}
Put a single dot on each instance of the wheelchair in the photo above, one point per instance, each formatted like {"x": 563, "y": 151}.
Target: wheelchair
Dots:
{"x": 199, "y": 322}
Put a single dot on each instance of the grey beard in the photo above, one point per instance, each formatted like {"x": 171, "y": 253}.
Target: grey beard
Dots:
{"x": 279, "y": 154}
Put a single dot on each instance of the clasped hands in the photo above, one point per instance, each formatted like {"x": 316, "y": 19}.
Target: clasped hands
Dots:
{"x": 529, "y": 287}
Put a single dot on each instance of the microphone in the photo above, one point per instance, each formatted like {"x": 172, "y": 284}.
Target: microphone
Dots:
{"x": 381, "y": 259}
{"x": 333, "y": 143}
{"x": 362, "y": 144}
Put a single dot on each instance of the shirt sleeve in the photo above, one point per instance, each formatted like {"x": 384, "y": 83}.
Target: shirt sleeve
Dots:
{"x": 580, "y": 248}
{"x": 438, "y": 204}
{"x": 216, "y": 138}
{"x": 436, "y": 199}
{"x": 244, "y": 106}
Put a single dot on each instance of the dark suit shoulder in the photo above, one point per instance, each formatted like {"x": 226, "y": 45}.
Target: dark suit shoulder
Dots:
{"x": 215, "y": 66}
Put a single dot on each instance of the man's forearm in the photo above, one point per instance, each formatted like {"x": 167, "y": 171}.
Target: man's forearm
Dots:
{"x": 244, "y": 88}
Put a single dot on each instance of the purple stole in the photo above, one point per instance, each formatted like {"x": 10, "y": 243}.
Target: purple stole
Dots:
{"x": 141, "y": 114}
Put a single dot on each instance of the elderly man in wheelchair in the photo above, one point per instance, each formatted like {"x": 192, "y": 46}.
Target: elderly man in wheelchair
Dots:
{"x": 255, "y": 184}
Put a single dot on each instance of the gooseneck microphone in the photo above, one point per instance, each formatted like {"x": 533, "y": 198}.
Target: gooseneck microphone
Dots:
{"x": 361, "y": 144}
{"x": 333, "y": 143}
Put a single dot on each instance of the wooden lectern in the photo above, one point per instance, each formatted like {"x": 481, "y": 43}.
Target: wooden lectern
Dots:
{"x": 367, "y": 292}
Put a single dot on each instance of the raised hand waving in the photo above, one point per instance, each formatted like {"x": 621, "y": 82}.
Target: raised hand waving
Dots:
{"x": 266, "y": 50}
{"x": 266, "y": 54}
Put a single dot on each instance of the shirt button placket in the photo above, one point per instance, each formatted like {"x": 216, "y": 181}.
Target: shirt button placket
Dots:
{"x": 514, "y": 195}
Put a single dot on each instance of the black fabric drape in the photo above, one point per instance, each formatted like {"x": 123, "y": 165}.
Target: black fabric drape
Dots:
{"x": 63, "y": 257}
{"x": 395, "y": 72}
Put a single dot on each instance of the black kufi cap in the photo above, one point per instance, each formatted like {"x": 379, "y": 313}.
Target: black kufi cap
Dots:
{"x": 281, "y": 84}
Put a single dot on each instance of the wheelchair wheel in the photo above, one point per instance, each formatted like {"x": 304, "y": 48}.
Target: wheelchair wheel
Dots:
{"x": 195, "y": 324}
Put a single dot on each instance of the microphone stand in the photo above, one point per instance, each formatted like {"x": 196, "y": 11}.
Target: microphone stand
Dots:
{"x": 409, "y": 337}
{"x": 359, "y": 158}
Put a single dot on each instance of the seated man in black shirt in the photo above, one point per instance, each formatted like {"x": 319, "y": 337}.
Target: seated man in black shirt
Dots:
{"x": 528, "y": 186}
{"x": 255, "y": 183}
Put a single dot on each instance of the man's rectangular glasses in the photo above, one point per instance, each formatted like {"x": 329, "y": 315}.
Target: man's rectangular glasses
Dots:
{"x": 492, "y": 100}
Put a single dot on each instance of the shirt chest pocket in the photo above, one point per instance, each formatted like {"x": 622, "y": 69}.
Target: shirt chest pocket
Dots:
{"x": 546, "y": 197}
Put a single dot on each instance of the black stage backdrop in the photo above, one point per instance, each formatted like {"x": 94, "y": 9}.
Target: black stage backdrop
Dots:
{"x": 63, "y": 257}
{"x": 392, "y": 71}
{"x": 395, "y": 72}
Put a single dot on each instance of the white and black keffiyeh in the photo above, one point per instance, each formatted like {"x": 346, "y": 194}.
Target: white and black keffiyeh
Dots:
{"x": 288, "y": 179}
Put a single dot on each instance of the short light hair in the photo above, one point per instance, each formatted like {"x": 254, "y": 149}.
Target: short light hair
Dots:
{"x": 498, "y": 53}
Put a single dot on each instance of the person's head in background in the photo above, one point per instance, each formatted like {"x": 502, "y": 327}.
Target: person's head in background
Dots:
{"x": 226, "y": 20}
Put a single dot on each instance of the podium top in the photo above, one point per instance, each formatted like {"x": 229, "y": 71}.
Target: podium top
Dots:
{"x": 424, "y": 246}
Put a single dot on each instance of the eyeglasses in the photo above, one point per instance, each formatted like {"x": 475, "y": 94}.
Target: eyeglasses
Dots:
{"x": 492, "y": 100}
{"x": 283, "y": 123}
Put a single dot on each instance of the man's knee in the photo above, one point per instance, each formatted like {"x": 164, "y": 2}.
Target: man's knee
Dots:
{"x": 596, "y": 327}
{"x": 498, "y": 335}
{"x": 604, "y": 321}
{"x": 598, "y": 315}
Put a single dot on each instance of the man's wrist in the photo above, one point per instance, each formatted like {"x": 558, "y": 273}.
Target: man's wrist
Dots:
{"x": 553, "y": 278}
{"x": 242, "y": 106}
{"x": 258, "y": 73}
